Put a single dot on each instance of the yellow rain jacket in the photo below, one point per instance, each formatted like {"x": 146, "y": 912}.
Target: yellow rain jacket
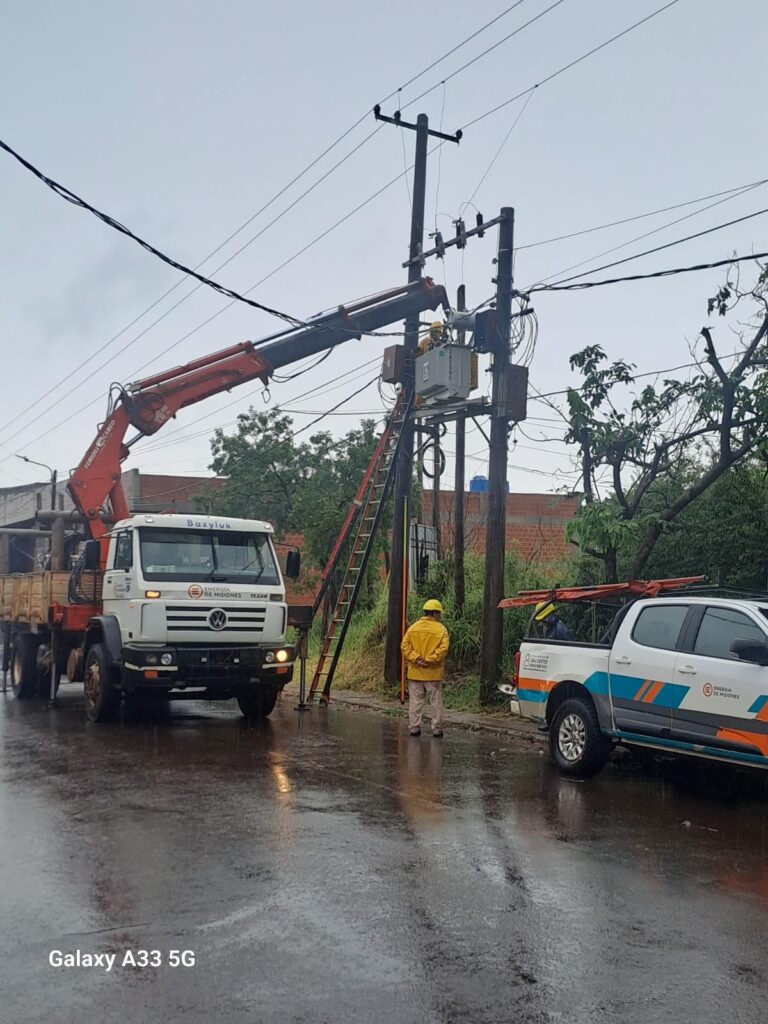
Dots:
{"x": 427, "y": 639}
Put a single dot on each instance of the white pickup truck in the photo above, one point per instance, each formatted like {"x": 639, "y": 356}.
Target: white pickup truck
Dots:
{"x": 680, "y": 674}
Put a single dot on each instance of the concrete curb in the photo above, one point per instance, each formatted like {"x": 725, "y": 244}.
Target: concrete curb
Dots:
{"x": 501, "y": 723}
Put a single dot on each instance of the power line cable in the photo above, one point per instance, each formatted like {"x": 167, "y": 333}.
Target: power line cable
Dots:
{"x": 485, "y": 53}
{"x": 76, "y": 200}
{"x": 583, "y": 285}
{"x": 379, "y": 191}
{"x": 71, "y": 197}
{"x": 323, "y": 234}
{"x": 660, "y": 248}
{"x": 496, "y": 155}
{"x": 261, "y": 210}
{"x": 450, "y": 52}
{"x": 167, "y": 440}
{"x": 293, "y": 434}
{"x": 641, "y": 216}
{"x": 571, "y": 64}
{"x": 636, "y": 376}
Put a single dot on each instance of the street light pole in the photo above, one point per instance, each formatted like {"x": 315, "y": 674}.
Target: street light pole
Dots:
{"x": 54, "y": 476}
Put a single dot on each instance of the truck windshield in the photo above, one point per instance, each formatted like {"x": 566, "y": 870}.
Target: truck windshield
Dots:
{"x": 197, "y": 555}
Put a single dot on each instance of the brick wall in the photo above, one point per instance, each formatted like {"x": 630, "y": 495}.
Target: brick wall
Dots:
{"x": 167, "y": 493}
{"x": 535, "y": 522}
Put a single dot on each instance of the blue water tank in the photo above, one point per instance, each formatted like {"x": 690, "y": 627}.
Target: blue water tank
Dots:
{"x": 479, "y": 485}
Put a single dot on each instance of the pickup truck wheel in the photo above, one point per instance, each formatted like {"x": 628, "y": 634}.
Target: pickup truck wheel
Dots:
{"x": 102, "y": 698}
{"x": 576, "y": 744}
{"x": 258, "y": 703}
{"x": 24, "y": 672}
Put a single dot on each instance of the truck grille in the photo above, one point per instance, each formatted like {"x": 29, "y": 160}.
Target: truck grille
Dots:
{"x": 208, "y": 617}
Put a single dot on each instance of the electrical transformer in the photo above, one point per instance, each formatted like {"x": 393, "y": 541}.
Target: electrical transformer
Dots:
{"x": 445, "y": 374}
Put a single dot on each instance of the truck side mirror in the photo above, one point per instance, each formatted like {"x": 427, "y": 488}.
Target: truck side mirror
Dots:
{"x": 749, "y": 650}
{"x": 293, "y": 565}
{"x": 91, "y": 555}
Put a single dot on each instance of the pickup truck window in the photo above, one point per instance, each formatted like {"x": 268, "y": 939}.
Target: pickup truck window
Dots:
{"x": 720, "y": 627}
{"x": 660, "y": 625}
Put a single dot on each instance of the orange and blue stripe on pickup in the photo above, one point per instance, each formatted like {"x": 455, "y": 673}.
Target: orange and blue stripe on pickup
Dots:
{"x": 535, "y": 690}
{"x": 648, "y": 691}
{"x": 759, "y": 709}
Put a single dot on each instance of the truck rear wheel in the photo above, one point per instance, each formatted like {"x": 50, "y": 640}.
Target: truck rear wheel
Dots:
{"x": 43, "y": 659}
{"x": 258, "y": 703}
{"x": 25, "y": 677}
{"x": 102, "y": 698}
{"x": 576, "y": 744}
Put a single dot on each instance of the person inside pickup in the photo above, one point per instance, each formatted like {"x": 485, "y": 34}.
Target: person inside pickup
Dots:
{"x": 554, "y": 627}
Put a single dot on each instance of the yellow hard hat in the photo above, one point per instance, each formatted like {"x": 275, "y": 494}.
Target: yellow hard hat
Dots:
{"x": 432, "y": 606}
{"x": 543, "y": 610}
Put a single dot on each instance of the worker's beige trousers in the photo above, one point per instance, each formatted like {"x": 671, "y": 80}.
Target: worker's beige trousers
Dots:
{"x": 419, "y": 693}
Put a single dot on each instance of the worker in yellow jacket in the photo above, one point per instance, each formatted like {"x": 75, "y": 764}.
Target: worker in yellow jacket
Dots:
{"x": 424, "y": 648}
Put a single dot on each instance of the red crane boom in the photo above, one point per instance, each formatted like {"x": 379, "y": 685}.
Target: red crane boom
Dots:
{"x": 148, "y": 404}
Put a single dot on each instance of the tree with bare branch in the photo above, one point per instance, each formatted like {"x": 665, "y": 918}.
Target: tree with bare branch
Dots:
{"x": 673, "y": 439}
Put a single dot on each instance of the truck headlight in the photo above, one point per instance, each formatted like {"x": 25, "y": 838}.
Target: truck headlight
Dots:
{"x": 166, "y": 659}
{"x": 282, "y": 655}
{"x": 269, "y": 656}
{"x": 151, "y": 659}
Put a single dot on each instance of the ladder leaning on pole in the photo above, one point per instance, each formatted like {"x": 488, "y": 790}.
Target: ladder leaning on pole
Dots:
{"x": 361, "y": 524}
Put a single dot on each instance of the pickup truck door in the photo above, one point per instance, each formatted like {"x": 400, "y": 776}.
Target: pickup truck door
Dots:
{"x": 642, "y": 668}
{"x": 725, "y": 704}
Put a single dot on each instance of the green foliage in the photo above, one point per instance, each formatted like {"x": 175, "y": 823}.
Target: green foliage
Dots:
{"x": 363, "y": 658}
{"x": 599, "y": 526}
{"x": 644, "y": 459}
{"x": 306, "y": 486}
{"x": 723, "y": 535}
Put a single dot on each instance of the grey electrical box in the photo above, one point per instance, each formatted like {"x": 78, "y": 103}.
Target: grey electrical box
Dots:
{"x": 444, "y": 374}
{"x": 393, "y": 367}
{"x": 514, "y": 399}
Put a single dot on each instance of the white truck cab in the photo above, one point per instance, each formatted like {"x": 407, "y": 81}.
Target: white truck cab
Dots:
{"x": 193, "y": 606}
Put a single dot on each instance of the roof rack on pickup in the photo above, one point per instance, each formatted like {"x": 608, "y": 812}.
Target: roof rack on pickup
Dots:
{"x": 633, "y": 588}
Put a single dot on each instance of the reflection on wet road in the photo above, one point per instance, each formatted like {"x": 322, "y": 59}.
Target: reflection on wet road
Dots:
{"x": 330, "y": 868}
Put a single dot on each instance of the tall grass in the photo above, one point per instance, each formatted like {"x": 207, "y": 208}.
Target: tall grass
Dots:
{"x": 361, "y": 664}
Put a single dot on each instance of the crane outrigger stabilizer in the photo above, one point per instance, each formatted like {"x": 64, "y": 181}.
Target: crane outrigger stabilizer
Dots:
{"x": 146, "y": 405}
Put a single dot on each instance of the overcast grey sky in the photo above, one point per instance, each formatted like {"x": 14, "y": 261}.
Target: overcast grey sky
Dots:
{"x": 182, "y": 119}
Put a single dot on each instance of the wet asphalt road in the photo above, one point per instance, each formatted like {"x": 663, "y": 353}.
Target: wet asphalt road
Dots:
{"x": 330, "y": 868}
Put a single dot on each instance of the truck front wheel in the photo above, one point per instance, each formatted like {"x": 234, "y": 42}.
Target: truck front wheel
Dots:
{"x": 258, "y": 703}
{"x": 576, "y": 744}
{"x": 102, "y": 698}
{"x": 24, "y": 673}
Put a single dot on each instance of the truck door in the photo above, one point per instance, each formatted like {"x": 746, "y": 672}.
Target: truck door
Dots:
{"x": 642, "y": 669}
{"x": 725, "y": 700}
{"x": 119, "y": 572}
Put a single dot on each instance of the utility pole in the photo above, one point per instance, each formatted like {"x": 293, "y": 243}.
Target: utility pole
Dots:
{"x": 458, "y": 486}
{"x": 398, "y": 570}
{"x": 436, "y": 462}
{"x": 493, "y": 623}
